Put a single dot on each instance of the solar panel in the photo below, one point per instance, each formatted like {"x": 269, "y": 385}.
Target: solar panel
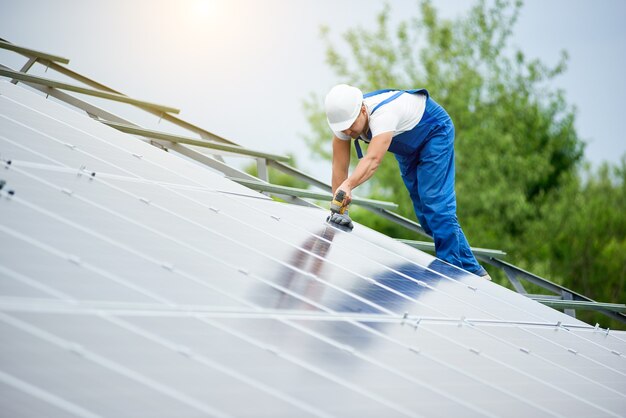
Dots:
{"x": 136, "y": 283}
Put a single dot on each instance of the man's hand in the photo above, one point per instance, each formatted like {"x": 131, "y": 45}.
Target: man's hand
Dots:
{"x": 341, "y": 219}
{"x": 345, "y": 186}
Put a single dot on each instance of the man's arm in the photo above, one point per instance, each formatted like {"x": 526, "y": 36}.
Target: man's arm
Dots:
{"x": 368, "y": 165}
{"x": 341, "y": 162}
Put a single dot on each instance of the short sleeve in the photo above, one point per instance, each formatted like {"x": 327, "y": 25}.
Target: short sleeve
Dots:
{"x": 342, "y": 136}
{"x": 383, "y": 121}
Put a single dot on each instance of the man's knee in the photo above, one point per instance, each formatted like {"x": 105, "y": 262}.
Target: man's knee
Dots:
{"x": 444, "y": 225}
{"x": 443, "y": 209}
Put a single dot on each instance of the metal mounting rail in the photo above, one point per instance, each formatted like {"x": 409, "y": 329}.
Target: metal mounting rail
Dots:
{"x": 16, "y": 75}
{"x": 300, "y": 175}
{"x": 31, "y": 52}
{"x": 578, "y": 304}
{"x": 566, "y": 299}
{"x": 262, "y": 163}
{"x": 135, "y": 130}
{"x": 292, "y": 191}
{"x": 100, "y": 115}
{"x": 430, "y": 246}
{"x": 92, "y": 83}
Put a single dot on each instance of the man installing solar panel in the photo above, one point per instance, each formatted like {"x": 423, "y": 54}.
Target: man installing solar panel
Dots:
{"x": 420, "y": 134}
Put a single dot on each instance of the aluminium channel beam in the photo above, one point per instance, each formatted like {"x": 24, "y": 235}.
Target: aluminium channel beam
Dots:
{"x": 165, "y": 116}
{"x": 579, "y": 304}
{"x": 225, "y": 169}
{"x": 300, "y": 175}
{"x": 429, "y": 246}
{"x": 32, "y": 52}
{"x": 292, "y": 191}
{"x": 102, "y": 115}
{"x": 533, "y": 278}
{"x": 568, "y": 296}
{"x": 90, "y": 109}
{"x": 135, "y": 130}
{"x": 16, "y": 75}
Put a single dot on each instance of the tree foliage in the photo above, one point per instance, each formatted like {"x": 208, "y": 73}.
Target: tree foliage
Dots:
{"x": 581, "y": 239}
{"x": 517, "y": 151}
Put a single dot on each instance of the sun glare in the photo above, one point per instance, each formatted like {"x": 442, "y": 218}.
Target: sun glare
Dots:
{"x": 202, "y": 9}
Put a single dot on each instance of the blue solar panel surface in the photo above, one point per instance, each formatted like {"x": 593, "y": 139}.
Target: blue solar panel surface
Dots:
{"x": 136, "y": 283}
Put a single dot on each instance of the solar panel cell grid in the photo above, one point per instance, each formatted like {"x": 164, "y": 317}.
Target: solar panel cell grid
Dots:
{"x": 158, "y": 288}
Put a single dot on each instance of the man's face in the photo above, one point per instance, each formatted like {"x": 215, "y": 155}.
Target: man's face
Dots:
{"x": 358, "y": 127}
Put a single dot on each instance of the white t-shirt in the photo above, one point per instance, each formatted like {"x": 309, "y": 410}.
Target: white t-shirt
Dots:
{"x": 399, "y": 115}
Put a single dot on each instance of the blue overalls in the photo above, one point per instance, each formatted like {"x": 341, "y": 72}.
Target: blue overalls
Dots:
{"x": 425, "y": 155}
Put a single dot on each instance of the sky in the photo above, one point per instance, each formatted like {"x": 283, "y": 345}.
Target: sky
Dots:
{"x": 242, "y": 68}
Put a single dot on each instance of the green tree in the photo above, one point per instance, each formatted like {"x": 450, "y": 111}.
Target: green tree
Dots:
{"x": 515, "y": 136}
{"x": 581, "y": 240}
{"x": 517, "y": 149}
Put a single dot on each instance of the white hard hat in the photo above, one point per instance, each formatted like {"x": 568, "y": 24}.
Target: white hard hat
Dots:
{"x": 343, "y": 104}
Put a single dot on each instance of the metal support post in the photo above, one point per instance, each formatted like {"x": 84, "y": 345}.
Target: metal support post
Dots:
{"x": 565, "y": 295}
{"x": 262, "y": 171}
{"x": 511, "y": 273}
{"x": 25, "y": 68}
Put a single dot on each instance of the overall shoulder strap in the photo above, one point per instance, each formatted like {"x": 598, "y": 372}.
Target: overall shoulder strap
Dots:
{"x": 387, "y": 100}
{"x": 422, "y": 91}
{"x": 375, "y": 92}
{"x": 357, "y": 146}
{"x": 393, "y": 97}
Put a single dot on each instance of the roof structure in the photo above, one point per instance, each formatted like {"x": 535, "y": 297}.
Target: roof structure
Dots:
{"x": 134, "y": 282}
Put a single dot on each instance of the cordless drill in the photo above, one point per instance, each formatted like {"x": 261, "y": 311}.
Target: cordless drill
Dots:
{"x": 336, "y": 205}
